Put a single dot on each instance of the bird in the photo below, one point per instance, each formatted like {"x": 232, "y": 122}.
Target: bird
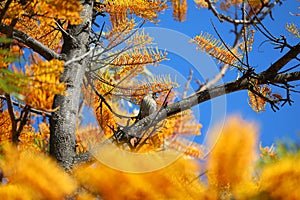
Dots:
{"x": 148, "y": 105}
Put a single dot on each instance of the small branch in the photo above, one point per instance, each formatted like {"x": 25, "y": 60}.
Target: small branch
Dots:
{"x": 187, "y": 85}
{"x": 197, "y": 177}
{"x": 15, "y": 137}
{"x": 80, "y": 110}
{"x": 222, "y": 17}
{"x": 33, "y": 110}
{"x": 76, "y": 59}
{"x": 3, "y": 10}
{"x": 214, "y": 81}
{"x": 228, "y": 49}
{"x": 289, "y": 69}
{"x": 23, "y": 120}
{"x": 102, "y": 98}
{"x": 62, "y": 30}
{"x": 32, "y": 43}
{"x": 254, "y": 20}
{"x": 281, "y": 62}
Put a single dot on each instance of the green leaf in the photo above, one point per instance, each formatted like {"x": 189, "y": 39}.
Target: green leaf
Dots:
{"x": 5, "y": 40}
{"x": 12, "y": 83}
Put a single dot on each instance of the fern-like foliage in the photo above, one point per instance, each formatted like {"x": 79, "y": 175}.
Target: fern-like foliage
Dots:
{"x": 215, "y": 48}
{"x": 293, "y": 29}
{"x": 260, "y": 96}
{"x": 179, "y": 9}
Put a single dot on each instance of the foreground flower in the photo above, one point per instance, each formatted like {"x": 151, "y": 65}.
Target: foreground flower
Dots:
{"x": 231, "y": 161}
{"x": 281, "y": 179}
{"x": 32, "y": 176}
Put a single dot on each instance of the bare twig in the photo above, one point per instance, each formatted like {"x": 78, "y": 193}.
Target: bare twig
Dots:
{"x": 281, "y": 62}
{"x": 22, "y": 120}
{"x": 254, "y": 20}
{"x": 103, "y": 100}
{"x": 3, "y": 10}
{"x": 76, "y": 59}
{"x": 62, "y": 30}
{"x": 33, "y": 110}
{"x": 215, "y": 79}
{"x": 11, "y": 112}
{"x": 187, "y": 84}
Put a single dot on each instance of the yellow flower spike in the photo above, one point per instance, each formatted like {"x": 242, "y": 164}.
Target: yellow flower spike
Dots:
{"x": 171, "y": 182}
{"x": 44, "y": 83}
{"x": 281, "y": 179}
{"x": 38, "y": 174}
{"x": 15, "y": 191}
{"x": 5, "y": 126}
{"x": 231, "y": 160}
{"x": 214, "y": 47}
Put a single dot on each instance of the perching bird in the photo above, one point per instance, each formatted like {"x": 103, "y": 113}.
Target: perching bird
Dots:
{"x": 148, "y": 105}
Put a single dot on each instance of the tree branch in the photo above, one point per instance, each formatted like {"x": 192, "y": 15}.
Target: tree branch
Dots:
{"x": 3, "y": 11}
{"x": 32, "y": 43}
{"x": 254, "y": 20}
{"x": 33, "y": 110}
{"x": 268, "y": 76}
{"x": 240, "y": 84}
{"x": 281, "y": 62}
{"x": 11, "y": 112}
{"x": 22, "y": 121}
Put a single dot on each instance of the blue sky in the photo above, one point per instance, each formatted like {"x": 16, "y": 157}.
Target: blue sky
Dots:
{"x": 273, "y": 125}
{"x": 174, "y": 37}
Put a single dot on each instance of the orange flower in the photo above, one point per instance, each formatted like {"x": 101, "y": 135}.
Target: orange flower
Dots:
{"x": 281, "y": 179}
{"x": 44, "y": 84}
{"x": 231, "y": 160}
{"x": 37, "y": 176}
{"x": 5, "y": 127}
{"x": 214, "y": 47}
{"x": 179, "y": 10}
{"x": 176, "y": 181}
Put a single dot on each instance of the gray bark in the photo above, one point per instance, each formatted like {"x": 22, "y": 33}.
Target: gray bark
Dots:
{"x": 199, "y": 97}
{"x": 63, "y": 121}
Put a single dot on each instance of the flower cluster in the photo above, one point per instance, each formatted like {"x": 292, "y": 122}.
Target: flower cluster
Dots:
{"x": 44, "y": 83}
{"x": 214, "y": 47}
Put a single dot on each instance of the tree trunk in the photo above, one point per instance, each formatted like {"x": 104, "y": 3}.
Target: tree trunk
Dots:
{"x": 63, "y": 121}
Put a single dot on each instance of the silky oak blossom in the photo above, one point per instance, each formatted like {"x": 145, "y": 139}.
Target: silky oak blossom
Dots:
{"x": 5, "y": 127}
{"x": 215, "y": 48}
{"x": 201, "y": 3}
{"x": 179, "y": 10}
{"x": 171, "y": 182}
{"x": 30, "y": 172}
{"x": 280, "y": 180}
{"x": 44, "y": 83}
{"x": 231, "y": 161}
{"x": 142, "y": 8}
{"x": 259, "y": 95}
